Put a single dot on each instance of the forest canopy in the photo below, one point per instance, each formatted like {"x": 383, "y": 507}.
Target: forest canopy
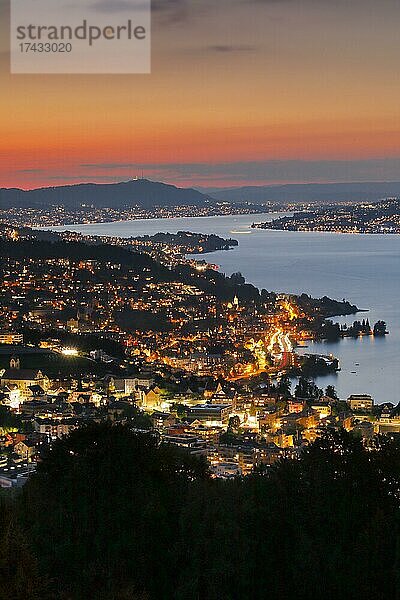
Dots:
{"x": 113, "y": 514}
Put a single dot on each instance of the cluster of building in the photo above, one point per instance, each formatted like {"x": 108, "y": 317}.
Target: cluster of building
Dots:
{"x": 177, "y": 323}
{"x": 61, "y": 215}
{"x": 380, "y": 217}
{"x": 88, "y": 297}
{"x": 237, "y": 428}
{"x": 198, "y": 368}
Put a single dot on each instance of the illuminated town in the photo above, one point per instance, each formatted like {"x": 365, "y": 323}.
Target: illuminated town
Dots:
{"x": 199, "y": 300}
{"x": 93, "y": 330}
{"x": 369, "y": 218}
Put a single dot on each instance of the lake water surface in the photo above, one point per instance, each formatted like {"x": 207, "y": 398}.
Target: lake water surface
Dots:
{"x": 364, "y": 269}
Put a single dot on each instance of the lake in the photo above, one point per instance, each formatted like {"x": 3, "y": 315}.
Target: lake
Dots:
{"x": 364, "y": 269}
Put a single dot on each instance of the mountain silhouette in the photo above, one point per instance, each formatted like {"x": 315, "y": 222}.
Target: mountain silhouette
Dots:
{"x": 138, "y": 192}
{"x": 311, "y": 192}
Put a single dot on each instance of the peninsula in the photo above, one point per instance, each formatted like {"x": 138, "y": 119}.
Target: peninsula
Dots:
{"x": 377, "y": 218}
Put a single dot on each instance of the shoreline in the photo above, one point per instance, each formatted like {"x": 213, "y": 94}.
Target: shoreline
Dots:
{"x": 355, "y": 233}
{"x": 141, "y": 217}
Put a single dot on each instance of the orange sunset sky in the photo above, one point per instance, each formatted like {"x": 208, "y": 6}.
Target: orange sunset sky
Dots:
{"x": 241, "y": 92}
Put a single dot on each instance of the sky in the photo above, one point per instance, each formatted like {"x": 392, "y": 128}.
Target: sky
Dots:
{"x": 241, "y": 92}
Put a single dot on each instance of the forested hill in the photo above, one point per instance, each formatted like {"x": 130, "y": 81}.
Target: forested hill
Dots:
{"x": 210, "y": 281}
{"x": 138, "y": 192}
{"x": 38, "y": 249}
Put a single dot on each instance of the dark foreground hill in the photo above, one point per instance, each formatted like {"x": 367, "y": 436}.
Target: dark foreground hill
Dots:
{"x": 112, "y": 515}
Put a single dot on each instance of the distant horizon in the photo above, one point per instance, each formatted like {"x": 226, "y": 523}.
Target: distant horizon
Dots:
{"x": 202, "y": 187}
{"x": 254, "y": 92}
{"x": 215, "y": 175}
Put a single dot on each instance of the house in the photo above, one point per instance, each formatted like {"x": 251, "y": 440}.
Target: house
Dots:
{"x": 308, "y": 420}
{"x": 387, "y": 424}
{"x": 217, "y": 414}
{"x": 363, "y": 402}
{"x": 193, "y": 444}
{"x": 209, "y": 434}
{"x": 295, "y": 406}
{"x": 58, "y": 391}
{"x": 269, "y": 421}
{"x": 162, "y": 420}
{"x": 264, "y": 401}
{"x": 365, "y": 430}
{"x": 128, "y": 385}
{"x": 23, "y": 379}
{"x": 36, "y": 391}
{"x": 55, "y": 428}
{"x": 73, "y": 325}
{"x": 117, "y": 411}
{"x": 25, "y": 449}
{"x": 149, "y": 398}
{"x": 310, "y": 435}
{"x": 11, "y": 337}
{"x": 33, "y": 407}
{"x": 282, "y": 440}
{"x": 224, "y": 396}
{"x": 226, "y": 470}
{"x": 244, "y": 457}
{"x": 323, "y": 410}
{"x": 11, "y": 396}
{"x": 269, "y": 454}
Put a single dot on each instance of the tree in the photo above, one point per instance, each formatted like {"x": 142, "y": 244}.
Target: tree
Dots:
{"x": 237, "y": 279}
{"x": 121, "y": 493}
{"x": 180, "y": 409}
{"x": 18, "y": 566}
{"x": 8, "y": 420}
{"x": 114, "y": 514}
{"x": 306, "y": 388}
{"x": 234, "y": 424}
{"x": 137, "y": 418}
{"x": 380, "y": 328}
{"x": 284, "y": 387}
{"x": 330, "y": 391}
